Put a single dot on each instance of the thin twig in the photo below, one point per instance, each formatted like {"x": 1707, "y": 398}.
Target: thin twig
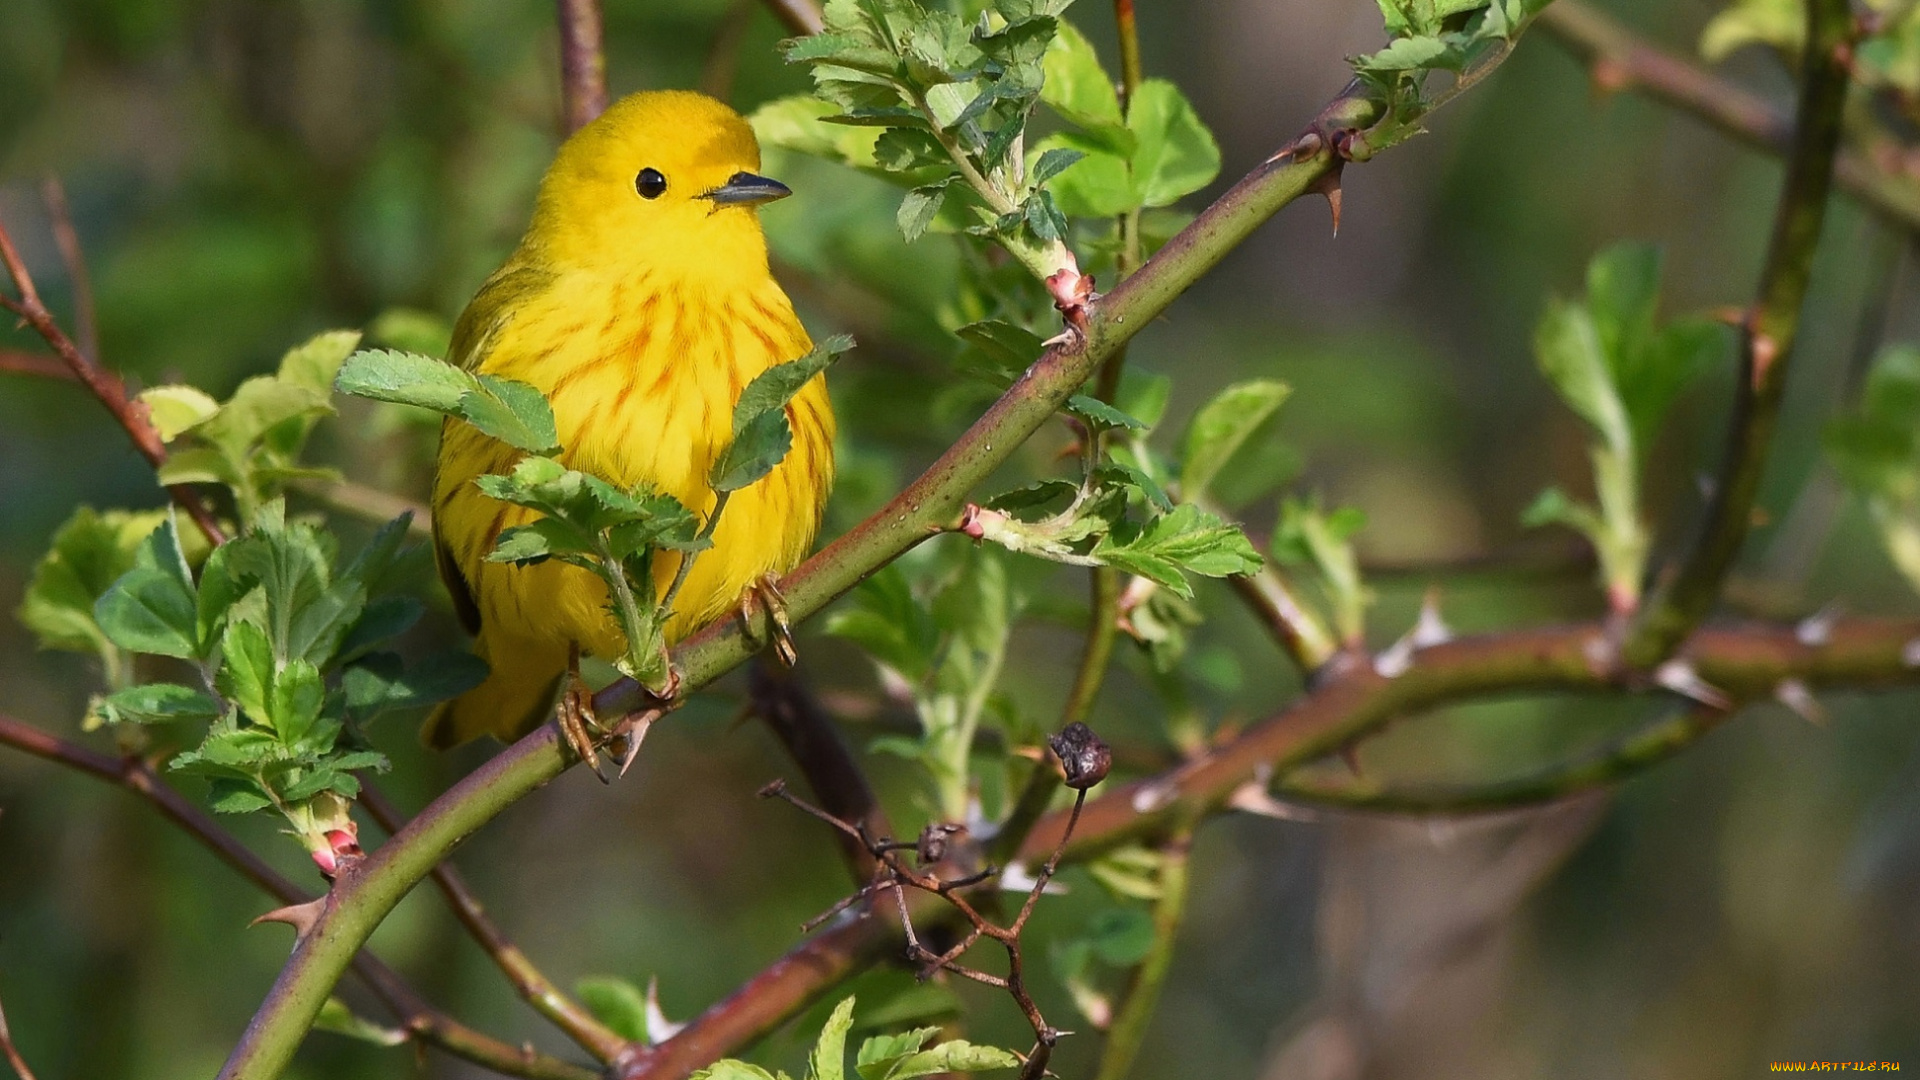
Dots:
{"x": 105, "y": 386}
{"x": 15, "y": 362}
{"x": 800, "y": 17}
{"x": 1622, "y": 61}
{"x": 1297, "y": 631}
{"x": 527, "y": 979}
{"x": 12, "y": 1052}
{"x": 723, "y": 56}
{"x": 1611, "y": 764}
{"x": 421, "y": 1020}
{"x": 369, "y": 504}
{"x": 1681, "y": 601}
{"x": 814, "y": 743}
{"x": 583, "y": 62}
{"x": 67, "y": 239}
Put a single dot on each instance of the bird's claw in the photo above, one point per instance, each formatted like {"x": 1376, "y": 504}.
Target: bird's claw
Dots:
{"x": 766, "y": 590}
{"x": 576, "y": 716}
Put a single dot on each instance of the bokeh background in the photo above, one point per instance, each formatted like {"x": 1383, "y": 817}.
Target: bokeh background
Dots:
{"x": 245, "y": 173}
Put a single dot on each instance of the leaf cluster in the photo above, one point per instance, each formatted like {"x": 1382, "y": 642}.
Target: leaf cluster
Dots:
{"x": 882, "y": 1057}
{"x": 1621, "y": 370}
{"x": 251, "y": 443}
{"x": 288, "y": 648}
{"x": 1464, "y": 39}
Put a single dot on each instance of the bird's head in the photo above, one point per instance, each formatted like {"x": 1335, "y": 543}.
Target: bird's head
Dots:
{"x": 664, "y": 181}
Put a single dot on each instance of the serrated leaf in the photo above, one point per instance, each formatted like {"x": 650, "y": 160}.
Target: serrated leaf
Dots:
{"x": 405, "y": 379}
{"x": 1101, "y": 415}
{"x": 828, "y": 1061}
{"x": 156, "y": 703}
{"x": 1077, "y": 87}
{"x": 1175, "y": 154}
{"x": 1188, "y": 539}
{"x": 147, "y": 611}
{"x": 1221, "y": 427}
{"x": 88, "y": 553}
{"x": 314, "y": 362}
{"x": 879, "y": 1054}
{"x": 295, "y": 700}
{"x": 233, "y": 795}
{"x": 729, "y": 1069}
{"x": 380, "y": 683}
{"x": 246, "y": 670}
{"x": 513, "y": 412}
{"x": 918, "y": 209}
{"x": 177, "y": 409}
{"x": 1052, "y": 163}
{"x": 761, "y": 434}
{"x": 957, "y": 1056}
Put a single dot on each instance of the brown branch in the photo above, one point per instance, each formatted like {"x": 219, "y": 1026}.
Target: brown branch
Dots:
{"x": 105, "y": 385}
{"x": 421, "y": 1020}
{"x": 1681, "y": 601}
{"x": 800, "y": 17}
{"x": 583, "y": 62}
{"x": 527, "y": 979}
{"x": 67, "y": 239}
{"x": 16, "y": 362}
{"x": 1622, "y": 61}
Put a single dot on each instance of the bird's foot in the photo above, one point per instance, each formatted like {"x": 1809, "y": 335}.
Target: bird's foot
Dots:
{"x": 576, "y": 716}
{"x": 766, "y": 590}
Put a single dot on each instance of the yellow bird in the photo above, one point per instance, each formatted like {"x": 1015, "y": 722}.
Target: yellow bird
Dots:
{"x": 640, "y": 303}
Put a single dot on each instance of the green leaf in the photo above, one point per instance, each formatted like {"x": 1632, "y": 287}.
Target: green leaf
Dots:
{"x": 1781, "y": 24}
{"x": 761, "y": 434}
{"x": 1100, "y": 415}
{"x": 616, "y": 1003}
{"x": 314, "y": 363}
{"x": 337, "y": 1018}
{"x": 512, "y": 412}
{"x": 1571, "y": 354}
{"x": 1404, "y": 54}
{"x": 152, "y": 608}
{"x": 955, "y": 1056}
{"x": 234, "y": 795}
{"x": 405, "y": 379}
{"x": 295, "y": 701}
{"x": 918, "y": 209}
{"x": 829, "y": 1058}
{"x": 156, "y": 703}
{"x": 729, "y": 1069}
{"x": 1077, "y": 87}
{"x": 1188, "y": 539}
{"x": 798, "y": 123}
{"x": 88, "y": 554}
{"x": 1052, "y": 163}
{"x": 1222, "y": 427}
{"x": 380, "y": 684}
{"x": 878, "y": 1055}
{"x": 1175, "y": 153}
{"x": 246, "y": 671}
{"x": 411, "y": 330}
{"x": 177, "y": 409}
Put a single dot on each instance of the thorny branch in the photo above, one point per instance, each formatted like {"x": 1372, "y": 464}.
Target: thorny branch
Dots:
{"x": 421, "y": 1021}
{"x": 1085, "y": 760}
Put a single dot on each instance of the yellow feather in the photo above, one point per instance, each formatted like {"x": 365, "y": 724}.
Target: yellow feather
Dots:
{"x": 641, "y": 319}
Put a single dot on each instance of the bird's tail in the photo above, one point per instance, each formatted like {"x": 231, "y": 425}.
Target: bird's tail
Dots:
{"x": 516, "y": 696}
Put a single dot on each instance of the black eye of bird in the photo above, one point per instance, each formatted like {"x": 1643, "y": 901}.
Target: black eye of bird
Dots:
{"x": 650, "y": 184}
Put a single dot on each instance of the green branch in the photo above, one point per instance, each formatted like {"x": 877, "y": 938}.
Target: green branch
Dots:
{"x": 1681, "y": 602}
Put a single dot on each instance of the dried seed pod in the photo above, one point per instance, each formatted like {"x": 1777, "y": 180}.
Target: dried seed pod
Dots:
{"x": 1082, "y": 754}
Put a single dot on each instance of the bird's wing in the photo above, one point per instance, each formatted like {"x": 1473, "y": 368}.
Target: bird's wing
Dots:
{"x": 473, "y": 335}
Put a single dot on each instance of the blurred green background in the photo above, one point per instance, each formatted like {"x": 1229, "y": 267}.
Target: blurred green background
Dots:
{"x": 246, "y": 172}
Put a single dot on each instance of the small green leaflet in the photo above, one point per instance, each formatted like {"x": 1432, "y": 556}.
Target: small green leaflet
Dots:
{"x": 1221, "y": 428}
{"x": 1187, "y": 539}
{"x": 761, "y": 434}
{"x": 510, "y": 411}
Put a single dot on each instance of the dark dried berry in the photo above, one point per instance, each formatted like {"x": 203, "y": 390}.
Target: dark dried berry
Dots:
{"x": 1083, "y": 756}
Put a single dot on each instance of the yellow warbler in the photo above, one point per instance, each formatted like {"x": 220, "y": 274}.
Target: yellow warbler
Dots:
{"x": 640, "y": 303}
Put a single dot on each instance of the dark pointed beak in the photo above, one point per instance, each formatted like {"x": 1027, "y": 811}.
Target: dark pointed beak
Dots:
{"x": 746, "y": 189}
